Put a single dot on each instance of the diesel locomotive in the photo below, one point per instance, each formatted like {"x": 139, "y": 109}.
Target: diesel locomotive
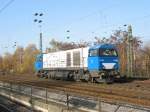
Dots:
{"x": 98, "y": 63}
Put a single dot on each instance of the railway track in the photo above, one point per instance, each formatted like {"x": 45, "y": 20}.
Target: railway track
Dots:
{"x": 111, "y": 94}
{"x": 7, "y": 105}
{"x": 132, "y": 86}
{"x": 95, "y": 88}
{"x": 3, "y": 108}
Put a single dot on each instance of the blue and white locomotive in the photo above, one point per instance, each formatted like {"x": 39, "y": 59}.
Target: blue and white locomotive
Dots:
{"x": 96, "y": 64}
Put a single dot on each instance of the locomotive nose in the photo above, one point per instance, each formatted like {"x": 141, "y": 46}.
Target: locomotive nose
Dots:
{"x": 108, "y": 65}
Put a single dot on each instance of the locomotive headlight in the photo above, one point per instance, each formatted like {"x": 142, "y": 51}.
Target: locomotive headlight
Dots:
{"x": 108, "y": 65}
{"x": 115, "y": 66}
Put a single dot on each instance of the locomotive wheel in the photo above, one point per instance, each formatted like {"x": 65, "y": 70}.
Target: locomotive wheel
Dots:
{"x": 41, "y": 74}
{"x": 37, "y": 74}
{"x": 76, "y": 77}
{"x": 87, "y": 77}
{"x": 70, "y": 76}
{"x": 107, "y": 80}
{"x": 99, "y": 80}
{"x": 49, "y": 76}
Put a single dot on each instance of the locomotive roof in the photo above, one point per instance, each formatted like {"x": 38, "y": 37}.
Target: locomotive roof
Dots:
{"x": 104, "y": 46}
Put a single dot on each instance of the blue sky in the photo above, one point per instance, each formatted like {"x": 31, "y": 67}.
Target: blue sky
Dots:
{"x": 84, "y": 18}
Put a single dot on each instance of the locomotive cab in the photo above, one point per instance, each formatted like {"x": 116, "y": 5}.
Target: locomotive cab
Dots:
{"x": 103, "y": 62}
{"x": 38, "y": 65}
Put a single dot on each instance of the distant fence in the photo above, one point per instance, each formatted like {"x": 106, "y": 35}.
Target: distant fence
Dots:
{"x": 69, "y": 100}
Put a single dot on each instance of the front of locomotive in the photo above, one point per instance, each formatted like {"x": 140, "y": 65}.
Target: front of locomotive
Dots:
{"x": 103, "y": 62}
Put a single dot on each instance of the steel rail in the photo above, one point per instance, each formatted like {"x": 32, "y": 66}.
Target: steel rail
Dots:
{"x": 5, "y": 108}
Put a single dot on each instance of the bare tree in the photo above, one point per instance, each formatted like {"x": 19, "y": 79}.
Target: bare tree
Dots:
{"x": 1, "y": 63}
{"x": 59, "y": 45}
{"x": 29, "y": 57}
{"x": 18, "y": 59}
{"x": 7, "y": 62}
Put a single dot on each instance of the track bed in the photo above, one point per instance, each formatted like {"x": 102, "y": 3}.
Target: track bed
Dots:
{"x": 135, "y": 92}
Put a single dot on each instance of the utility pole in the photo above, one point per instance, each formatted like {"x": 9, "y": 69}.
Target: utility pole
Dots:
{"x": 39, "y": 21}
{"x": 41, "y": 47}
{"x": 130, "y": 52}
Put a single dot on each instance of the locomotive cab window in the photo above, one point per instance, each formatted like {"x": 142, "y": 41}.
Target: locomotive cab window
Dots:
{"x": 108, "y": 52}
{"x": 39, "y": 58}
{"x": 93, "y": 52}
